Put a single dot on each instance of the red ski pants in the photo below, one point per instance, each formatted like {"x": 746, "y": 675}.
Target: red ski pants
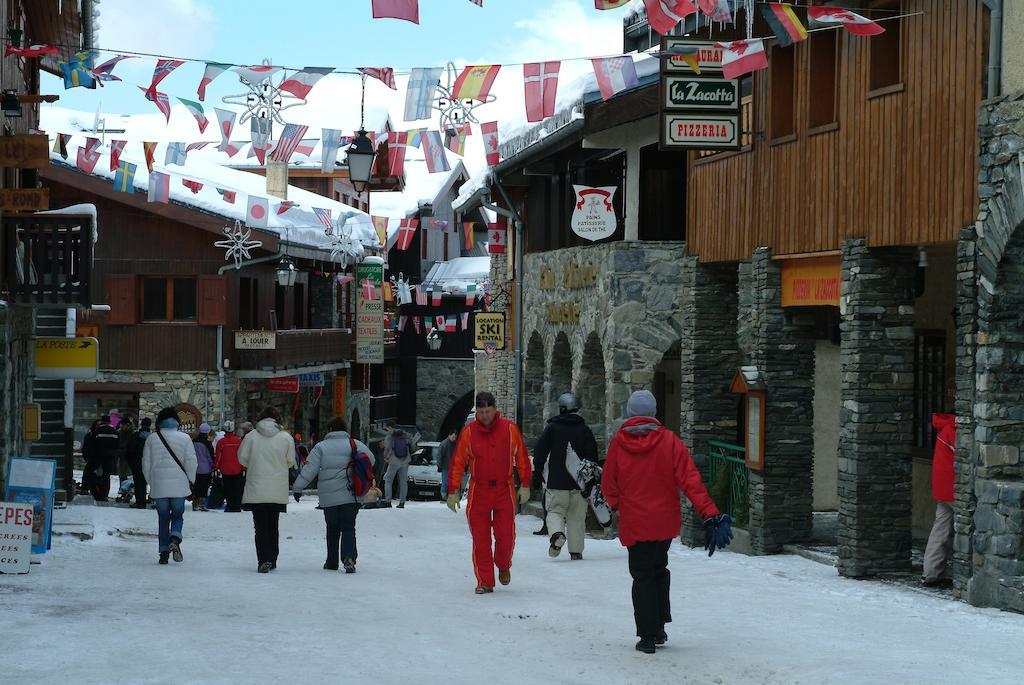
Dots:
{"x": 491, "y": 506}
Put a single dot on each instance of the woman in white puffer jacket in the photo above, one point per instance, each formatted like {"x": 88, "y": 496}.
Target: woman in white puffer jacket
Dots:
{"x": 170, "y": 476}
{"x": 267, "y": 453}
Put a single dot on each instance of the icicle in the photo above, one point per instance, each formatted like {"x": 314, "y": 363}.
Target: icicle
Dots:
{"x": 749, "y": 10}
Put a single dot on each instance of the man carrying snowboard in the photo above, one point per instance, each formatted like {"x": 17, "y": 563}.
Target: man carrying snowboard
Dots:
{"x": 566, "y": 507}
{"x": 492, "y": 448}
{"x": 646, "y": 468}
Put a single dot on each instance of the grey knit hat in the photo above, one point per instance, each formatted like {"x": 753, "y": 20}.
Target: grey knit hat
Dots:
{"x": 641, "y": 403}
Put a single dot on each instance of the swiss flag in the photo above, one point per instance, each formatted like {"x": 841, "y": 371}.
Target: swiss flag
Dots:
{"x": 663, "y": 15}
{"x": 497, "y": 239}
{"x": 406, "y": 230}
{"x": 541, "y": 79}
{"x": 258, "y": 212}
{"x": 851, "y": 21}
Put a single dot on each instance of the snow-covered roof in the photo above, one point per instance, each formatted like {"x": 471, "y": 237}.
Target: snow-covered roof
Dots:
{"x": 422, "y": 188}
{"x": 298, "y": 225}
{"x": 517, "y": 135}
{"x": 455, "y": 274}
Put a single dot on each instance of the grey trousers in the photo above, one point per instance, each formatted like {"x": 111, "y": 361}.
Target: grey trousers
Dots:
{"x": 940, "y": 542}
{"x": 567, "y": 514}
{"x": 399, "y": 469}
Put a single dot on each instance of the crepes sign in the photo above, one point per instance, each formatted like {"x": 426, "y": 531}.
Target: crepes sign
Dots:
{"x": 593, "y": 213}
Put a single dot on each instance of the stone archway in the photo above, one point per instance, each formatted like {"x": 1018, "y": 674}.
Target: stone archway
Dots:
{"x": 560, "y": 376}
{"x": 455, "y": 419}
{"x": 533, "y": 390}
{"x": 591, "y": 389}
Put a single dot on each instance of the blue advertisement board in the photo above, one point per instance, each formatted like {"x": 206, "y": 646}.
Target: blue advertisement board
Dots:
{"x": 32, "y": 481}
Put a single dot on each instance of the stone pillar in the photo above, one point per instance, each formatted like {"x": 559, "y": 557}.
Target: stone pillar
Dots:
{"x": 876, "y": 419}
{"x": 496, "y": 373}
{"x": 782, "y": 348}
{"x": 708, "y": 358}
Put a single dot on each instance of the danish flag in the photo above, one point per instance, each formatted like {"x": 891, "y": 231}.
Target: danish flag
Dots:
{"x": 369, "y": 289}
{"x": 406, "y": 230}
{"x": 541, "y": 87}
{"x": 397, "y": 145}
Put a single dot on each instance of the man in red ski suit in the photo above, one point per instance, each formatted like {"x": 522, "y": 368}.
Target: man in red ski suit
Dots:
{"x": 492, "y": 447}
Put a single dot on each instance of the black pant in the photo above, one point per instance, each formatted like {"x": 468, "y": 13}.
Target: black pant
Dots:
{"x": 234, "y": 486}
{"x": 341, "y": 525}
{"x": 648, "y": 564}
{"x": 200, "y": 489}
{"x": 264, "y": 520}
{"x": 135, "y": 464}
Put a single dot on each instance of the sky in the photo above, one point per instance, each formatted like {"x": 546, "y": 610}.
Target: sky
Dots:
{"x": 324, "y": 34}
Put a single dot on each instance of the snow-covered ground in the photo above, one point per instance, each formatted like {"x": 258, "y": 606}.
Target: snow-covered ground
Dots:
{"x": 103, "y": 611}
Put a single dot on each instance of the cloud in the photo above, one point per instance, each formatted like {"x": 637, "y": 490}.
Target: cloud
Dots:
{"x": 566, "y": 28}
{"x": 171, "y": 27}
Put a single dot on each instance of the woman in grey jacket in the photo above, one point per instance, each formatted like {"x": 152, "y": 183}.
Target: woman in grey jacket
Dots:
{"x": 329, "y": 461}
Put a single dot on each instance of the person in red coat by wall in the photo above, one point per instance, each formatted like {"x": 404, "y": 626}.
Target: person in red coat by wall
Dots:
{"x": 226, "y": 461}
{"x": 493, "y": 449}
{"x": 646, "y": 467}
{"x": 940, "y": 540}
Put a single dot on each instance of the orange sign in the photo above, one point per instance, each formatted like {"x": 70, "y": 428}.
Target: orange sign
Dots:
{"x": 810, "y": 282}
{"x": 340, "y": 381}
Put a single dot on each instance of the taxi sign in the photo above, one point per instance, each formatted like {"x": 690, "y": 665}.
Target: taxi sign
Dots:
{"x": 66, "y": 357}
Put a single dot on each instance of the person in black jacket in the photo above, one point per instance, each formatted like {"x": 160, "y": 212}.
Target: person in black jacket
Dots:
{"x": 105, "y": 443}
{"x": 566, "y": 508}
{"x": 133, "y": 455}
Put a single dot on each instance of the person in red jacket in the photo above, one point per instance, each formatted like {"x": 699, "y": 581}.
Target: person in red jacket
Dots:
{"x": 645, "y": 469}
{"x": 940, "y": 540}
{"x": 493, "y": 448}
{"x": 226, "y": 461}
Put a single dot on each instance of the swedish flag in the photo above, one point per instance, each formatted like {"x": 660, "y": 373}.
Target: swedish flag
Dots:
{"x": 78, "y": 71}
{"x": 124, "y": 178}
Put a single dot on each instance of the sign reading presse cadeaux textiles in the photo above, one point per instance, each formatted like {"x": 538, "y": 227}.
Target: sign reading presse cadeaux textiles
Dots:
{"x": 370, "y": 312}
{"x": 593, "y": 214}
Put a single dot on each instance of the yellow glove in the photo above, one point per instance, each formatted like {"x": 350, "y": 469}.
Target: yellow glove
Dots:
{"x": 453, "y": 503}
{"x": 524, "y": 495}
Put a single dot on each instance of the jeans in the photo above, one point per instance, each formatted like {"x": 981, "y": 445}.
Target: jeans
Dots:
{"x": 940, "y": 542}
{"x": 397, "y": 469}
{"x": 170, "y": 518}
{"x": 264, "y": 519}
{"x": 648, "y": 564}
{"x": 341, "y": 525}
{"x": 444, "y": 483}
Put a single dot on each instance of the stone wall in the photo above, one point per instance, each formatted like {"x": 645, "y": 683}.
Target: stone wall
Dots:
{"x": 198, "y": 388}
{"x": 996, "y": 544}
{"x": 618, "y": 305}
{"x": 496, "y": 373}
{"x": 440, "y": 383}
{"x": 876, "y": 435}
{"x": 16, "y": 371}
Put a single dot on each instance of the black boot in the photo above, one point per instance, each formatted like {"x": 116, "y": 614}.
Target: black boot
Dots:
{"x": 349, "y": 564}
{"x": 646, "y": 645}
{"x": 164, "y": 556}
{"x": 661, "y": 638}
{"x": 543, "y": 530}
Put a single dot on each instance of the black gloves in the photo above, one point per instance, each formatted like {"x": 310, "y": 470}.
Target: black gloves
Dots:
{"x": 717, "y": 532}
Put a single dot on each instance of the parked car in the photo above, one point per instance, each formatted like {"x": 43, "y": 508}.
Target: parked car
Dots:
{"x": 424, "y": 478}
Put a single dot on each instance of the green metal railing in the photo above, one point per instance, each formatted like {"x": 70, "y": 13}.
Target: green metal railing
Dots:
{"x": 728, "y": 480}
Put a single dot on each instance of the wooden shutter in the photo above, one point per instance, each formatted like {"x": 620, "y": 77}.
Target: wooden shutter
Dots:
{"x": 212, "y": 292}
{"x": 122, "y": 296}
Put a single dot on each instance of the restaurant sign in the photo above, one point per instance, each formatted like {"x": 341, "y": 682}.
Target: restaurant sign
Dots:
{"x": 700, "y": 131}
{"x": 810, "y": 282}
{"x": 593, "y": 213}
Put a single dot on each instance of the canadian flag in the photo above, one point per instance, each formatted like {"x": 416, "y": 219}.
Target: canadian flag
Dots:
{"x": 851, "y": 21}
{"x": 490, "y": 133}
{"x": 742, "y": 57}
{"x": 497, "y": 239}
{"x": 406, "y": 230}
{"x": 257, "y": 213}
{"x": 541, "y": 87}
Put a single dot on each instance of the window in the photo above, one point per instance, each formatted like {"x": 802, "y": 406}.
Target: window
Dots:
{"x": 248, "y": 315}
{"x": 783, "y": 91}
{"x": 885, "y": 47}
{"x": 662, "y": 212}
{"x": 929, "y": 383}
{"x": 821, "y": 78}
{"x": 169, "y": 298}
{"x": 279, "y": 321}
{"x": 299, "y": 306}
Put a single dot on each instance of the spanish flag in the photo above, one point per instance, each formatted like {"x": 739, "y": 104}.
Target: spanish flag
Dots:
{"x": 783, "y": 22}
{"x": 474, "y": 83}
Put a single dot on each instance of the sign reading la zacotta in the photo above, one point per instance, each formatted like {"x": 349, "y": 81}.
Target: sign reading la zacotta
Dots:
{"x": 370, "y": 312}
{"x": 593, "y": 214}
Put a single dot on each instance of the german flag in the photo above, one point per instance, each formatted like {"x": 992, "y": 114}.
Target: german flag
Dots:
{"x": 783, "y": 22}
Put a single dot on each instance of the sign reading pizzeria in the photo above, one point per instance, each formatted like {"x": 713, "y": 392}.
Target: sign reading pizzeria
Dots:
{"x": 593, "y": 214}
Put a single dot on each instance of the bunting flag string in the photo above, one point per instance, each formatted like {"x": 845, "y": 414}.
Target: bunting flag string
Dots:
{"x": 116, "y": 148}
{"x": 197, "y": 111}
{"x": 124, "y": 178}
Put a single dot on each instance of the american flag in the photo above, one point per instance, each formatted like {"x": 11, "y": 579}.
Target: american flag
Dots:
{"x": 290, "y": 140}
{"x": 385, "y": 75}
{"x": 421, "y": 296}
{"x": 324, "y": 217}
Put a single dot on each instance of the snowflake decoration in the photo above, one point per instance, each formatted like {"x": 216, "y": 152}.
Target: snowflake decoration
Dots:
{"x": 263, "y": 102}
{"x": 238, "y": 243}
{"x": 342, "y": 244}
{"x": 455, "y": 113}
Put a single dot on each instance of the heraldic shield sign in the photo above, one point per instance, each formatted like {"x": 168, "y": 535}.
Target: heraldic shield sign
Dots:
{"x": 593, "y": 216}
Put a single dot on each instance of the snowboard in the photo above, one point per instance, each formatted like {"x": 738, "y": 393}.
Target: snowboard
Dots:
{"x": 588, "y": 476}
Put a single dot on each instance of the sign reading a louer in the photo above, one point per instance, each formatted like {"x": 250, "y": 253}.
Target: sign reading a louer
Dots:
{"x": 255, "y": 340}
{"x": 700, "y": 131}
{"x": 688, "y": 92}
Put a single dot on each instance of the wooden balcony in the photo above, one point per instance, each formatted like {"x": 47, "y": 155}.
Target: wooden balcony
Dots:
{"x": 47, "y": 259}
{"x": 298, "y": 351}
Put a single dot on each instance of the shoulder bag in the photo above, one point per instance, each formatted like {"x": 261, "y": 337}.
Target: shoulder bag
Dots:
{"x": 181, "y": 466}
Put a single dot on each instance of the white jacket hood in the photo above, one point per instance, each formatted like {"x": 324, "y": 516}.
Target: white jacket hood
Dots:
{"x": 268, "y": 427}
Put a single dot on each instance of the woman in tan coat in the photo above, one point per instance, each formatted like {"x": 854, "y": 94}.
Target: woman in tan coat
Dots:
{"x": 266, "y": 453}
